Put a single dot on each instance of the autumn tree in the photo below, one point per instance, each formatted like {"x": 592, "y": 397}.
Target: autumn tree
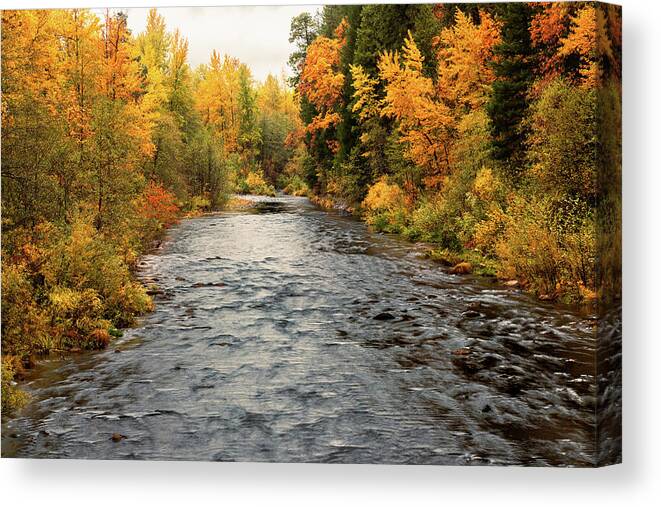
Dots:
{"x": 369, "y": 148}
{"x": 121, "y": 138}
{"x": 79, "y": 66}
{"x": 465, "y": 53}
{"x": 303, "y": 30}
{"x": 589, "y": 41}
{"x": 179, "y": 83}
{"x": 424, "y": 121}
{"x": 321, "y": 81}
{"x": 217, "y": 98}
{"x": 548, "y": 26}
{"x": 154, "y": 52}
{"x": 34, "y": 129}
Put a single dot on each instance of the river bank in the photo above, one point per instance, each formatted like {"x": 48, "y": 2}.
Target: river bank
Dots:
{"x": 464, "y": 261}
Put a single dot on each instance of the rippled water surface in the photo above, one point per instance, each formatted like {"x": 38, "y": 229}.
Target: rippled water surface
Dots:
{"x": 285, "y": 333}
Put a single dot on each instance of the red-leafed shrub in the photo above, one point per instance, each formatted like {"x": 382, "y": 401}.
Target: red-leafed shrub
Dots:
{"x": 159, "y": 205}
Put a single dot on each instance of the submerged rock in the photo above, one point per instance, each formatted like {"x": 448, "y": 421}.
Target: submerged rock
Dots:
{"x": 197, "y": 285}
{"x": 154, "y": 291}
{"x": 384, "y": 316}
{"x": 471, "y": 314}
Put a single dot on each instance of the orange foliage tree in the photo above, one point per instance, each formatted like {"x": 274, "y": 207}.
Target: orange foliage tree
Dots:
{"x": 428, "y": 113}
{"x": 547, "y": 28}
{"x": 589, "y": 40}
{"x": 321, "y": 81}
{"x": 566, "y": 33}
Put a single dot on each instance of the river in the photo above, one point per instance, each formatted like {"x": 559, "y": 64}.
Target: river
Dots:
{"x": 286, "y": 333}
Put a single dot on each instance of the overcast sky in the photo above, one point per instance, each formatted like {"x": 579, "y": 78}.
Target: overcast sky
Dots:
{"x": 256, "y": 35}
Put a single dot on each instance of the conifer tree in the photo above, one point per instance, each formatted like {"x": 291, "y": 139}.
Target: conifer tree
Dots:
{"x": 513, "y": 70}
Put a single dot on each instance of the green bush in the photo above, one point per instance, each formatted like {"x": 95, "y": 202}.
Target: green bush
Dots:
{"x": 25, "y": 328}
{"x": 431, "y": 222}
{"x": 552, "y": 250}
{"x": 563, "y": 140}
{"x": 295, "y": 185}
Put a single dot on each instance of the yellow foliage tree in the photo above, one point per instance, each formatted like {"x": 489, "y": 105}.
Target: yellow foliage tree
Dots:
{"x": 465, "y": 51}
{"x": 217, "y": 98}
{"x": 425, "y": 122}
{"x": 589, "y": 40}
{"x": 366, "y": 101}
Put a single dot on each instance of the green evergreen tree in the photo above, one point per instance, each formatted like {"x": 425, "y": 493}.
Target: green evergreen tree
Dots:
{"x": 346, "y": 134}
{"x": 384, "y": 28}
{"x": 303, "y": 30}
{"x": 514, "y": 73}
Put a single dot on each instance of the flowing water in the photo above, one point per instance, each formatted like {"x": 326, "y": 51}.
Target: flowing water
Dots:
{"x": 286, "y": 333}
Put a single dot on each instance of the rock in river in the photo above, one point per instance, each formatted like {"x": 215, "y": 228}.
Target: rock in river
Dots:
{"x": 384, "y": 316}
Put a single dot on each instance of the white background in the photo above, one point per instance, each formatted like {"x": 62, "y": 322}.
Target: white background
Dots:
{"x": 636, "y": 482}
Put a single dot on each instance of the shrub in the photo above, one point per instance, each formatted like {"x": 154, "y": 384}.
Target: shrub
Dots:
{"x": 431, "y": 223}
{"x": 486, "y": 186}
{"x": 25, "y": 327}
{"x": 488, "y": 231}
{"x": 157, "y": 209}
{"x": 198, "y": 204}
{"x": 564, "y": 142}
{"x": 12, "y": 398}
{"x": 255, "y": 184}
{"x": 554, "y": 254}
{"x": 83, "y": 259}
{"x": 63, "y": 288}
{"x": 344, "y": 186}
{"x": 528, "y": 249}
{"x": 295, "y": 185}
{"x": 98, "y": 339}
{"x": 384, "y": 206}
{"x": 159, "y": 205}
{"x": 383, "y": 196}
{"x": 77, "y": 316}
{"x": 126, "y": 301}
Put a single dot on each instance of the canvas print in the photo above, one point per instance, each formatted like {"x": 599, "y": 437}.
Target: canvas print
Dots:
{"x": 383, "y": 233}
